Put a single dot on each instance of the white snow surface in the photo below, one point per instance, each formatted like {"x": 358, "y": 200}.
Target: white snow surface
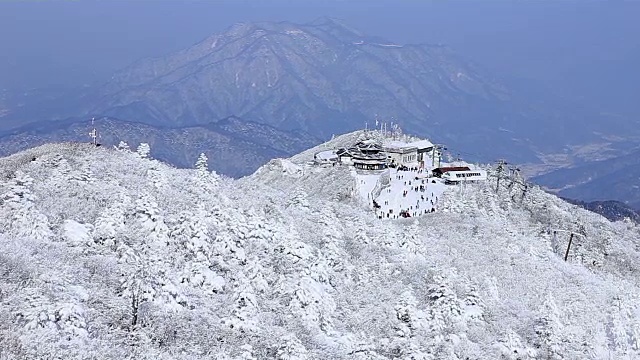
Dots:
{"x": 76, "y": 233}
{"x": 291, "y": 263}
{"x": 326, "y": 155}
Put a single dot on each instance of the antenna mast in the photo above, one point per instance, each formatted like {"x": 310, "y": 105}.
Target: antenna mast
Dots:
{"x": 94, "y": 132}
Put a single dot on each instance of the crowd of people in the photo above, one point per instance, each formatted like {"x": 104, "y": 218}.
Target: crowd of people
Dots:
{"x": 425, "y": 203}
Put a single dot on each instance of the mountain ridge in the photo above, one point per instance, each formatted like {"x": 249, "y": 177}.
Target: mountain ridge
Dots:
{"x": 231, "y": 149}
{"x": 600, "y": 180}
{"x": 324, "y": 78}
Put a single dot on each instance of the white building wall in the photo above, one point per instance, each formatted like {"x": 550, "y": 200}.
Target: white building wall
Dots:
{"x": 395, "y": 157}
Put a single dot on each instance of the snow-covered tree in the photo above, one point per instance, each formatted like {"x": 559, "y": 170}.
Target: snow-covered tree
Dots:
{"x": 157, "y": 177}
{"x": 20, "y": 216}
{"x": 123, "y": 146}
{"x": 64, "y": 321}
{"x": 143, "y": 150}
{"x": 619, "y": 321}
{"x": 151, "y": 222}
{"x": 148, "y": 282}
{"x": 291, "y": 348}
{"x": 83, "y": 174}
{"x": 19, "y": 193}
{"x": 198, "y": 274}
{"x": 549, "y": 330}
{"x": 192, "y": 234}
{"x": 299, "y": 200}
{"x": 202, "y": 166}
{"x": 411, "y": 319}
{"x": 445, "y": 309}
{"x": 111, "y": 223}
{"x": 205, "y": 180}
{"x": 473, "y": 306}
{"x": 511, "y": 347}
{"x": 245, "y": 306}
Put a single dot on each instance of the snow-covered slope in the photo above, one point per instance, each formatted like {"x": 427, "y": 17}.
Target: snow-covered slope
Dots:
{"x": 104, "y": 254}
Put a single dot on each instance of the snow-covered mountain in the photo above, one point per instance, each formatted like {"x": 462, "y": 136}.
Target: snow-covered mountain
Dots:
{"x": 601, "y": 180}
{"x": 110, "y": 254}
{"x": 235, "y": 147}
{"x": 611, "y": 209}
{"x": 325, "y": 77}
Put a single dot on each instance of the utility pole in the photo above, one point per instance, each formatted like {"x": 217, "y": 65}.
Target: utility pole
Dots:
{"x": 571, "y": 237}
{"x": 566, "y": 254}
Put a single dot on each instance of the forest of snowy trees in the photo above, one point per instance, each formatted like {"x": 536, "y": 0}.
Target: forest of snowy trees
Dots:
{"x": 109, "y": 254}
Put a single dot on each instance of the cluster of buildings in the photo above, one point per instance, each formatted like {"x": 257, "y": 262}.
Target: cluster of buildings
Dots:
{"x": 374, "y": 155}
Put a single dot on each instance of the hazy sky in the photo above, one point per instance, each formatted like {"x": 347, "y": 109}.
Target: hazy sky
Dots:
{"x": 575, "y": 47}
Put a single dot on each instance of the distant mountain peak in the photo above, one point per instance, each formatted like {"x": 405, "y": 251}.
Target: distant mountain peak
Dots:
{"x": 324, "y": 77}
{"x": 335, "y": 24}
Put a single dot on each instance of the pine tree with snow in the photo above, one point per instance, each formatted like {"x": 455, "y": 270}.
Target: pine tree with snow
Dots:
{"x": 292, "y": 250}
{"x": 82, "y": 173}
{"x": 111, "y": 223}
{"x": 20, "y": 214}
{"x": 549, "y": 330}
{"x": 157, "y": 177}
{"x": 205, "y": 179}
{"x": 123, "y": 146}
{"x": 409, "y": 239}
{"x": 151, "y": 222}
{"x": 445, "y": 309}
{"x": 245, "y": 306}
{"x": 28, "y": 222}
{"x": 202, "y": 166}
{"x": 291, "y": 348}
{"x": 19, "y": 193}
{"x": 62, "y": 170}
{"x": 410, "y": 317}
{"x": 473, "y": 306}
{"x": 143, "y": 150}
{"x": 37, "y": 312}
{"x": 314, "y": 303}
{"x": 147, "y": 282}
{"x": 299, "y": 200}
{"x": 191, "y": 233}
{"x": 199, "y": 274}
{"x": 511, "y": 347}
{"x": 256, "y": 273}
{"x": 65, "y": 321}
{"x": 619, "y": 321}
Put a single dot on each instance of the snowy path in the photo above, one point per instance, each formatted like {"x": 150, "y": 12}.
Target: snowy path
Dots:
{"x": 402, "y": 195}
